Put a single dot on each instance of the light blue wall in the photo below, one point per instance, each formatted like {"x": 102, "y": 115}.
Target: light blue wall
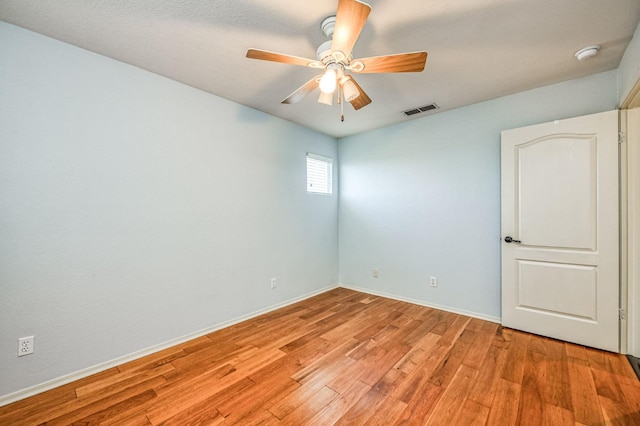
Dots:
{"x": 629, "y": 69}
{"x": 135, "y": 210}
{"x": 422, "y": 198}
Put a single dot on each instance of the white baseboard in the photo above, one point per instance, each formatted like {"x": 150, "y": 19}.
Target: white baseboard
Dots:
{"x": 423, "y": 303}
{"x": 76, "y": 375}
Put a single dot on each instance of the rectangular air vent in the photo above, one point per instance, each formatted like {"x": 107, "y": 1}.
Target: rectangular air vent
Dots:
{"x": 411, "y": 111}
{"x": 418, "y": 110}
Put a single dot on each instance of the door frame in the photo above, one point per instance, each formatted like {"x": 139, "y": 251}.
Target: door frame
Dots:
{"x": 629, "y": 234}
{"x": 630, "y": 231}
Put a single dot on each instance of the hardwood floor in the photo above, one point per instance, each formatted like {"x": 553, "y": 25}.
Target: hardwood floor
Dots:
{"x": 348, "y": 358}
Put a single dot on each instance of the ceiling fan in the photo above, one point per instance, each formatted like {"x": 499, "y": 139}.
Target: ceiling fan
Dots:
{"x": 334, "y": 58}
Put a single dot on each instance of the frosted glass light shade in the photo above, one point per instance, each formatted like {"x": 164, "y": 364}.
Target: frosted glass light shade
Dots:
{"x": 328, "y": 81}
{"x": 350, "y": 90}
{"x": 326, "y": 98}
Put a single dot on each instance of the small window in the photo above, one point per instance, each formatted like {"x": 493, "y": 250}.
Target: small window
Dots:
{"x": 319, "y": 174}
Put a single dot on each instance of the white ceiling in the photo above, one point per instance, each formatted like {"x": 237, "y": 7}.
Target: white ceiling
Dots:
{"x": 478, "y": 49}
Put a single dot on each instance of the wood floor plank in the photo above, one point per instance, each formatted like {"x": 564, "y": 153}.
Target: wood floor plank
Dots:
{"x": 374, "y": 327}
{"x": 97, "y": 406}
{"x": 123, "y": 380}
{"x": 417, "y": 381}
{"x": 472, "y": 414}
{"x": 81, "y": 407}
{"x": 205, "y": 410}
{"x": 404, "y": 330}
{"x": 449, "y": 407}
{"x": 514, "y": 364}
{"x": 363, "y": 409}
{"x": 307, "y": 390}
{"x": 376, "y": 366}
{"x": 237, "y": 408}
{"x": 484, "y": 388}
{"x": 388, "y": 413}
{"x": 340, "y": 405}
{"x": 500, "y": 339}
{"x": 632, "y": 399}
{"x": 490, "y": 327}
{"x": 617, "y": 413}
{"x": 532, "y": 405}
{"x": 475, "y": 324}
{"x": 420, "y": 406}
{"x": 619, "y": 366}
{"x": 157, "y": 359}
{"x": 424, "y": 328}
{"x": 576, "y": 351}
{"x": 478, "y": 351}
{"x": 349, "y": 328}
{"x": 554, "y": 415}
{"x": 260, "y": 417}
{"x": 218, "y": 360}
{"x": 181, "y": 396}
{"x": 454, "y": 330}
{"x": 390, "y": 381}
{"x": 320, "y": 365}
{"x": 37, "y": 405}
{"x": 445, "y": 372}
{"x": 418, "y": 354}
{"x": 414, "y": 311}
{"x": 311, "y": 407}
{"x": 607, "y": 385}
{"x": 344, "y": 357}
{"x": 586, "y": 405}
{"x": 441, "y": 321}
{"x": 555, "y": 392}
{"x": 537, "y": 344}
{"x": 504, "y": 407}
{"x": 121, "y": 409}
{"x": 349, "y": 371}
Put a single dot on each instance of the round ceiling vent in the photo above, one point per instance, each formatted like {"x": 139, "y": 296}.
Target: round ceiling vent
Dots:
{"x": 587, "y": 52}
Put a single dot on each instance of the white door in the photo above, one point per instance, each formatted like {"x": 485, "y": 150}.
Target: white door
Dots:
{"x": 560, "y": 211}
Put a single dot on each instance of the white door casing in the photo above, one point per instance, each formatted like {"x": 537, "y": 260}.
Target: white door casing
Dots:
{"x": 560, "y": 200}
{"x": 632, "y": 142}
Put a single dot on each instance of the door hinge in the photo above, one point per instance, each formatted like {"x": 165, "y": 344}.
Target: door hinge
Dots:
{"x": 620, "y": 137}
{"x": 622, "y": 314}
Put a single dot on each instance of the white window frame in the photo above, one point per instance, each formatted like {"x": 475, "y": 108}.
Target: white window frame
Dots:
{"x": 320, "y": 173}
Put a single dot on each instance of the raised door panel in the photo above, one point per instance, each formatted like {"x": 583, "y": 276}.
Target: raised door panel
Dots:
{"x": 558, "y": 289}
{"x": 556, "y": 184}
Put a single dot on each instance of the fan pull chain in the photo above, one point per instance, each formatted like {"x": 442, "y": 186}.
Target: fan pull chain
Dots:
{"x": 341, "y": 102}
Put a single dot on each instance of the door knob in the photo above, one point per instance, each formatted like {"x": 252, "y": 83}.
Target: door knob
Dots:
{"x": 508, "y": 239}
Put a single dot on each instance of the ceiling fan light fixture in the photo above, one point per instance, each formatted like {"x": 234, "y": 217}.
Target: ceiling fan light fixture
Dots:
{"x": 350, "y": 90}
{"x": 328, "y": 81}
{"x": 335, "y": 56}
{"x": 325, "y": 98}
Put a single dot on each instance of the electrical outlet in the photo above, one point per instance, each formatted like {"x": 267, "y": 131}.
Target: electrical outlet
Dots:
{"x": 433, "y": 281}
{"x": 274, "y": 283}
{"x": 375, "y": 273}
{"x": 25, "y": 346}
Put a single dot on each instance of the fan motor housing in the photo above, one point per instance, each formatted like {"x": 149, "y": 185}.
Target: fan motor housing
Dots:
{"x": 323, "y": 51}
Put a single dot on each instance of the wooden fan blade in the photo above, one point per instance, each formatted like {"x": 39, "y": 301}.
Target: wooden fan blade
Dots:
{"x": 280, "y": 57}
{"x": 350, "y": 19}
{"x": 361, "y": 101}
{"x": 302, "y": 91}
{"x": 402, "y": 62}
